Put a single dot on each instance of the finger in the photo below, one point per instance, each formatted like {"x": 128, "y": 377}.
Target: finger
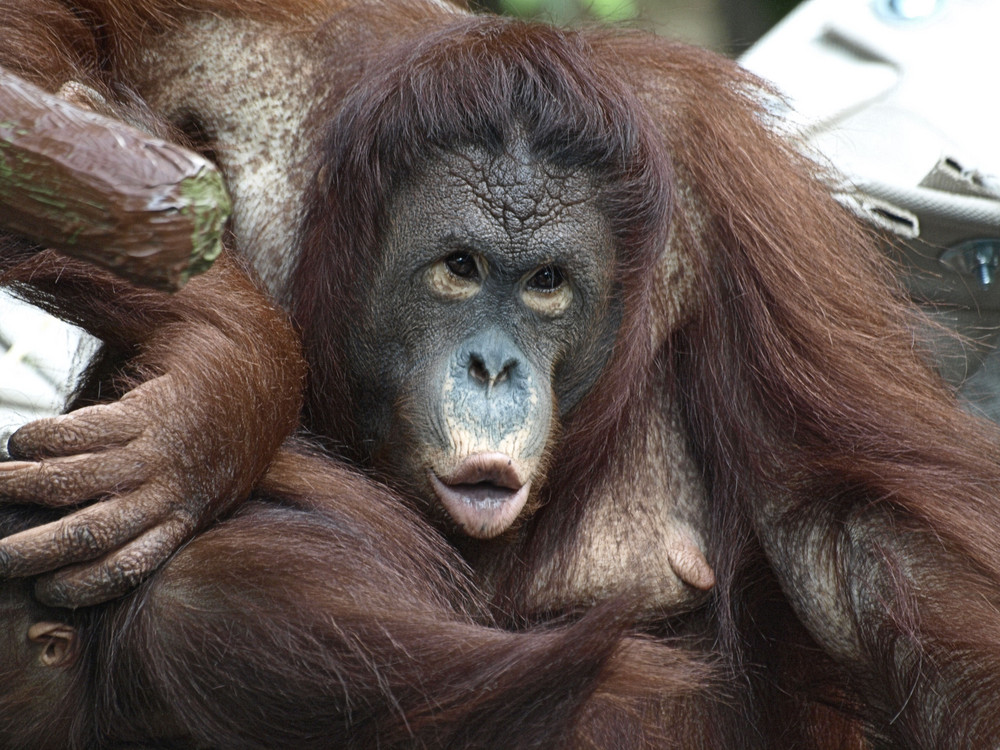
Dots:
{"x": 89, "y": 429}
{"x": 114, "y": 575}
{"x": 58, "y": 482}
{"x": 79, "y": 537}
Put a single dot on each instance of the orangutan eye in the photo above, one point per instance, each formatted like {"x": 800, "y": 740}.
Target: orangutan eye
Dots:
{"x": 546, "y": 279}
{"x": 463, "y": 265}
{"x": 457, "y": 276}
{"x": 547, "y": 291}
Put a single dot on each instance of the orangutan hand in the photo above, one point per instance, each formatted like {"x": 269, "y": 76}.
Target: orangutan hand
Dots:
{"x": 138, "y": 460}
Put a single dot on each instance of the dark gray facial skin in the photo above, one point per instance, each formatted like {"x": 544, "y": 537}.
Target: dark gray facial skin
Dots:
{"x": 492, "y": 314}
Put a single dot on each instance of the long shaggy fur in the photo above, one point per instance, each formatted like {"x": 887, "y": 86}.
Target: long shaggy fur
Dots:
{"x": 853, "y": 515}
{"x": 325, "y": 614}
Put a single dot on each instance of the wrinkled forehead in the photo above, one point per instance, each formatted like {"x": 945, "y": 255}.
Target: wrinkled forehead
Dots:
{"x": 513, "y": 187}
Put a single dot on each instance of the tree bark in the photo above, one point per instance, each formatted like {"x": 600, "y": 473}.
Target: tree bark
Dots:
{"x": 95, "y": 188}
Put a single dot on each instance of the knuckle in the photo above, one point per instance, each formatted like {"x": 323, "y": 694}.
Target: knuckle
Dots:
{"x": 125, "y": 573}
{"x": 186, "y": 518}
{"x": 59, "y": 481}
{"x": 168, "y": 503}
{"x": 83, "y": 538}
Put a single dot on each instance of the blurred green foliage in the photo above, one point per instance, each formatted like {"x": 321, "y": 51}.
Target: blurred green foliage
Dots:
{"x": 744, "y": 20}
{"x": 565, "y": 11}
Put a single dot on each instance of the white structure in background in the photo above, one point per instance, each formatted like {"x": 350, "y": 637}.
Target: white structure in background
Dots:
{"x": 39, "y": 359}
{"x": 885, "y": 88}
{"x": 901, "y": 98}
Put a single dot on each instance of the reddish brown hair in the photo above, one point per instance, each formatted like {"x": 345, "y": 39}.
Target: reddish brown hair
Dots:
{"x": 479, "y": 82}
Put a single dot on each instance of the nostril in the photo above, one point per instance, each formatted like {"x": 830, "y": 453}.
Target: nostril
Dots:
{"x": 505, "y": 371}
{"x": 483, "y": 373}
{"x": 477, "y": 369}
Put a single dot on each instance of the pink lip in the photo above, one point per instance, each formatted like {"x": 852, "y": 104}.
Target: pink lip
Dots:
{"x": 483, "y": 495}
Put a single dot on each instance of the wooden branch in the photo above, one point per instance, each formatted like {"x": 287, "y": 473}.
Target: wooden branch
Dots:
{"x": 95, "y": 188}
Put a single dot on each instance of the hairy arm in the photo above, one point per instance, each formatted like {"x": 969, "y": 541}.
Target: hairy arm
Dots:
{"x": 185, "y": 407}
{"x": 911, "y": 615}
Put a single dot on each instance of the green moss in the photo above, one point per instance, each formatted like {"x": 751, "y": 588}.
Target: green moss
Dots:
{"x": 206, "y": 201}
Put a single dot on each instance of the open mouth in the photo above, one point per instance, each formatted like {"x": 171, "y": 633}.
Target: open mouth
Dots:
{"x": 483, "y": 495}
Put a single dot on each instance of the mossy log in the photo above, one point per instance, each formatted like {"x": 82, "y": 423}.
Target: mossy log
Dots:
{"x": 95, "y": 188}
